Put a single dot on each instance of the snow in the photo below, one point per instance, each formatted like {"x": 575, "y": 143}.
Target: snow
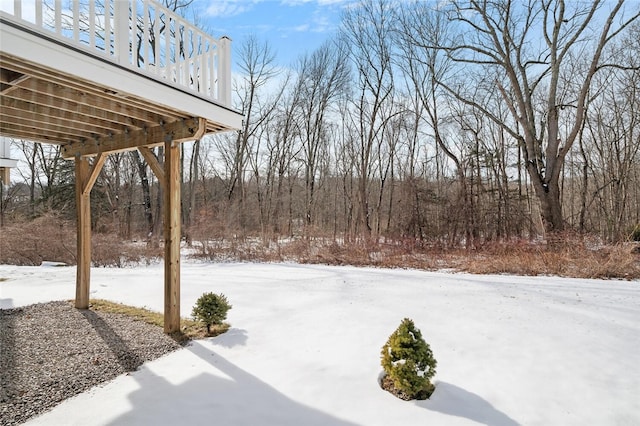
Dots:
{"x": 305, "y": 342}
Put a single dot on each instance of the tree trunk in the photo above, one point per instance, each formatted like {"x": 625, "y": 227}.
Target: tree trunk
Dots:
{"x": 550, "y": 207}
{"x": 146, "y": 191}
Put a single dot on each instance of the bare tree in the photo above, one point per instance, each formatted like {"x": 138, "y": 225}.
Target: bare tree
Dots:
{"x": 43, "y": 163}
{"x": 526, "y": 48}
{"x": 612, "y": 135}
{"x": 322, "y": 77}
{"x": 419, "y": 31}
{"x": 368, "y": 30}
{"x": 256, "y": 63}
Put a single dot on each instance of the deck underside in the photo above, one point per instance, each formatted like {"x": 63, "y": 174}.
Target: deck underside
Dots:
{"x": 55, "y": 94}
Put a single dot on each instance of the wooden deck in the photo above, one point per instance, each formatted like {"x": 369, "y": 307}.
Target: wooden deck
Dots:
{"x": 109, "y": 76}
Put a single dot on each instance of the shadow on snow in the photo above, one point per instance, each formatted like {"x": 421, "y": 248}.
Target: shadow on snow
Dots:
{"x": 455, "y": 401}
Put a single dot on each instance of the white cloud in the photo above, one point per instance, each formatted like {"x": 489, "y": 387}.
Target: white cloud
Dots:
{"x": 294, "y": 2}
{"x": 319, "y": 2}
{"x": 227, "y": 8}
{"x": 301, "y": 28}
{"x": 321, "y": 23}
{"x": 330, "y": 2}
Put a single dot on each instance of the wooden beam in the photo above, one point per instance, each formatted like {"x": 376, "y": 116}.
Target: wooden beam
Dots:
{"x": 88, "y": 87}
{"x": 171, "y": 237}
{"x": 113, "y": 111}
{"x": 108, "y": 100}
{"x": 12, "y": 84}
{"x": 8, "y": 119}
{"x": 155, "y": 165}
{"x": 94, "y": 173}
{"x": 8, "y": 76}
{"x": 178, "y": 131}
{"x": 83, "y": 214}
{"x": 59, "y": 116}
{"x": 32, "y": 134}
{"x": 202, "y": 129}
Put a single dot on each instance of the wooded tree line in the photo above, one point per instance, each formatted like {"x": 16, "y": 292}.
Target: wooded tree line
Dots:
{"x": 455, "y": 123}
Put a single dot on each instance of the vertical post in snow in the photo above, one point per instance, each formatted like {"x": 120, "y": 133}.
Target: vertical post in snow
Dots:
{"x": 171, "y": 236}
{"x": 83, "y": 214}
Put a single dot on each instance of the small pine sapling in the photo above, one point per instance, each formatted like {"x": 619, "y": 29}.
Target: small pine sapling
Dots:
{"x": 408, "y": 363}
{"x": 211, "y": 309}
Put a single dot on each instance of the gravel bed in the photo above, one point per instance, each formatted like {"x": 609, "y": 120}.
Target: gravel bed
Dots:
{"x": 52, "y": 351}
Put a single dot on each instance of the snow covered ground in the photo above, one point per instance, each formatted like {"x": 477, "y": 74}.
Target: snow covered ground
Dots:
{"x": 305, "y": 342}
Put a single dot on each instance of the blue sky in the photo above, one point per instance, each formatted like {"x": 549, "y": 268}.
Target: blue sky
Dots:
{"x": 291, "y": 27}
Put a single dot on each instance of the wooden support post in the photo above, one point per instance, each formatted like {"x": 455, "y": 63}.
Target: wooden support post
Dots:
{"x": 5, "y": 175}
{"x": 83, "y": 212}
{"x": 171, "y": 236}
{"x": 86, "y": 176}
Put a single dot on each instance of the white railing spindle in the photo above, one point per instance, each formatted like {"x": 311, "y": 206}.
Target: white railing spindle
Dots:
{"x": 76, "y": 21}
{"x": 39, "y": 13}
{"x": 167, "y": 48}
{"x": 132, "y": 33}
{"x": 92, "y": 24}
{"x": 58, "y": 15}
{"x": 200, "y": 68}
{"x": 156, "y": 44}
{"x": 17, "y": 8}
{"x": 107, "y": 27}
{"x": 146, "y": 36}
{"x": 214, "y": 71}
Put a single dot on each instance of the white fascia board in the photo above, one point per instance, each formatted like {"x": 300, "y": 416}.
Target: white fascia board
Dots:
{"x": 7, "y": 162}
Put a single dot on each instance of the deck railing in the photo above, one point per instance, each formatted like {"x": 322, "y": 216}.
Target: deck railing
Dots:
{"x": 138, "y": 34}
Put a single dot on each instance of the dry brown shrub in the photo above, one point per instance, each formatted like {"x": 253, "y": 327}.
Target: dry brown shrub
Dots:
{"x": 516, "y": 263}
{"x": 294, "y": 250}
{"x": 570, "y": 258}
{"x": 358, "y": 253}
{"x": 577, "y": 257}
{"x": 46, "y": 238}
{"x": 617, "y": 261}
{"x": 50, "y": 238}
{"x": 110, "y": 250}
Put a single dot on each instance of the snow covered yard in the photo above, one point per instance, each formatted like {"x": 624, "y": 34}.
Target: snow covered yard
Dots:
{"x": 304, "y": 347}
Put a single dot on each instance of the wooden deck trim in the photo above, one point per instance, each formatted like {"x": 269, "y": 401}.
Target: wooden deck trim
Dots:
{"x": 178, "y": 131}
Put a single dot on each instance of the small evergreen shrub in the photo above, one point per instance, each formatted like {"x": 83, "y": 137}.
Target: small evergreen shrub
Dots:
{"x": 408, "y": 363}
{"x": 211, "y": 309}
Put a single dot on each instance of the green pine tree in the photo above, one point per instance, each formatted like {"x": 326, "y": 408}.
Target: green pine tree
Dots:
{"x": 211, "y": 309}
{"x": 408, "y": 361}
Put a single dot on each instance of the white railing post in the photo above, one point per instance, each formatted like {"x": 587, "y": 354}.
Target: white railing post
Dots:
{"x": 121, "y": 31}
{"x": 76, "y": 21}
{"x": 39, "y": 13}
{"x": 92, "y": 24}
{"x": 58, "y": 17}
{"x": 17, "y": 8}
{"x": 224, "y": 71}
